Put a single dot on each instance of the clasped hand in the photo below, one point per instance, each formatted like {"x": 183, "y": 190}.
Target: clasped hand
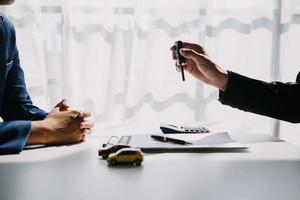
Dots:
{"x": 61, "y": 126}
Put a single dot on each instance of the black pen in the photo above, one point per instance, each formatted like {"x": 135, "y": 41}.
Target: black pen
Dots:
{"x": 167, "y": 139}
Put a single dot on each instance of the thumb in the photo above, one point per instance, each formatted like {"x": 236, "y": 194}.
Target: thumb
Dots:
{"x": 187, "y": 53}
{"x": 191, "y": 54}
{"x": 65, "y": 105}
{"x": 55, "y": 109}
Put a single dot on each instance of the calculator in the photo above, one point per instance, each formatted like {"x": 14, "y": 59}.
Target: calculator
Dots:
{"x": 170, "y": 128}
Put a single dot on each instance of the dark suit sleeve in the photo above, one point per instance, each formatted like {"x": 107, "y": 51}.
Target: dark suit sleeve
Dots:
{"x": 277, "y": 100}
{"x": 17, "y": 110}
{"x": 17, "y": 104}
{"x": 14, "y": 136}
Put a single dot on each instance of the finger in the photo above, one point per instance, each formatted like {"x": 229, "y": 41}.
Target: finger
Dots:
{"x": 196, "y": 47}
{"x": 173, "y": 48}
{"x": 82, "y": 138}
{"x": 84, "y": 114}
{"x": 187, "y": 53}
{"x": 174, "y": 56}
{"x": 178, "y": 68}
{"x": 55, "y": 109}
{"x": 59, "y": 104}
{"x": 63, "y": 105}
{"x": 80, "y": 114}
{"x": 86, "y": 124}
{"x": 86, "y": 131}
{"x": 188, "y": 45}
{"x": 191, "y": 54}
{"x": 74, "y": 113}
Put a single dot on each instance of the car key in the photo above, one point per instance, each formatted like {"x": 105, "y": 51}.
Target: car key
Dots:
{"x": 180, "y": 60}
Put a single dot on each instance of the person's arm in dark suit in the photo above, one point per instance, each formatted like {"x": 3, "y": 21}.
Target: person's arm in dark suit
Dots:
{"x": 276, "y": 99}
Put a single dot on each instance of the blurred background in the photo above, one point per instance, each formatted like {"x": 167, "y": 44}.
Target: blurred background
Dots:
{"x": 112, "y": 57}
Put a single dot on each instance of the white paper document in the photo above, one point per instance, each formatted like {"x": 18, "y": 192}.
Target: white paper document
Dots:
{"x": 200, "y": 142}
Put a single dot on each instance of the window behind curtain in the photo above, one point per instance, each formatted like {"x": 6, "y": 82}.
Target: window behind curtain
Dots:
{"x": 112, "y": 57}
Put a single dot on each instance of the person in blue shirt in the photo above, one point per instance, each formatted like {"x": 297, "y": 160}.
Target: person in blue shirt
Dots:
{"x": 23, "y": 123}
{"x": 275, "y": 99}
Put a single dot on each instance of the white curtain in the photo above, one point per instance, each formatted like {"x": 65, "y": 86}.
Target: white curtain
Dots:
{"x": 112, "y": 57}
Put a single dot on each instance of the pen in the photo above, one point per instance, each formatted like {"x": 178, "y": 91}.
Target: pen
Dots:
{"x": 167, "y": 139}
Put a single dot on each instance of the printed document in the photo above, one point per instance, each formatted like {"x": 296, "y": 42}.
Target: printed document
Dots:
{"x": 210, "y": 141}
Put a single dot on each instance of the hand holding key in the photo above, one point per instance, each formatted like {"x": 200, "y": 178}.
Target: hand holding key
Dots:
{"x": 200, "y": 65}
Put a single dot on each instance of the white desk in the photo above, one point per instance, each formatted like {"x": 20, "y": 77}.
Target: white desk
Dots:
{"x": 269, "y": 170}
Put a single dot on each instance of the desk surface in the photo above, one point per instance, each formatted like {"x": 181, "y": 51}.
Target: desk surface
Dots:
{"x": 268, "y": 170}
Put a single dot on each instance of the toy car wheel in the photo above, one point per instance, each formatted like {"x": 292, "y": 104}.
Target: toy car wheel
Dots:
{"x": 104, "y": 155}
{"x": 137, "y": 162}
{"x": 113, "y": 162}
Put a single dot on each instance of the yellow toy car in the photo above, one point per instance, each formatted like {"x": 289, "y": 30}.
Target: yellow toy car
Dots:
{"x": 126, "y": 155}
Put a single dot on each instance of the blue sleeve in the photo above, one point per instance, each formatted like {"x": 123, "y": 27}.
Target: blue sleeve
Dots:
{"x": 17, "y": 104}
{"x": 17, "y": 110}
{"x": 14, "y": 136}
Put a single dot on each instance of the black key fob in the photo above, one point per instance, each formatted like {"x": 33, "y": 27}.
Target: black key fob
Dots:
{"x": 180, "y": 60}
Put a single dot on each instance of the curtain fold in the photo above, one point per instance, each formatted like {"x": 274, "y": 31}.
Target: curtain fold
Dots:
{"x": 112, "y": 57}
